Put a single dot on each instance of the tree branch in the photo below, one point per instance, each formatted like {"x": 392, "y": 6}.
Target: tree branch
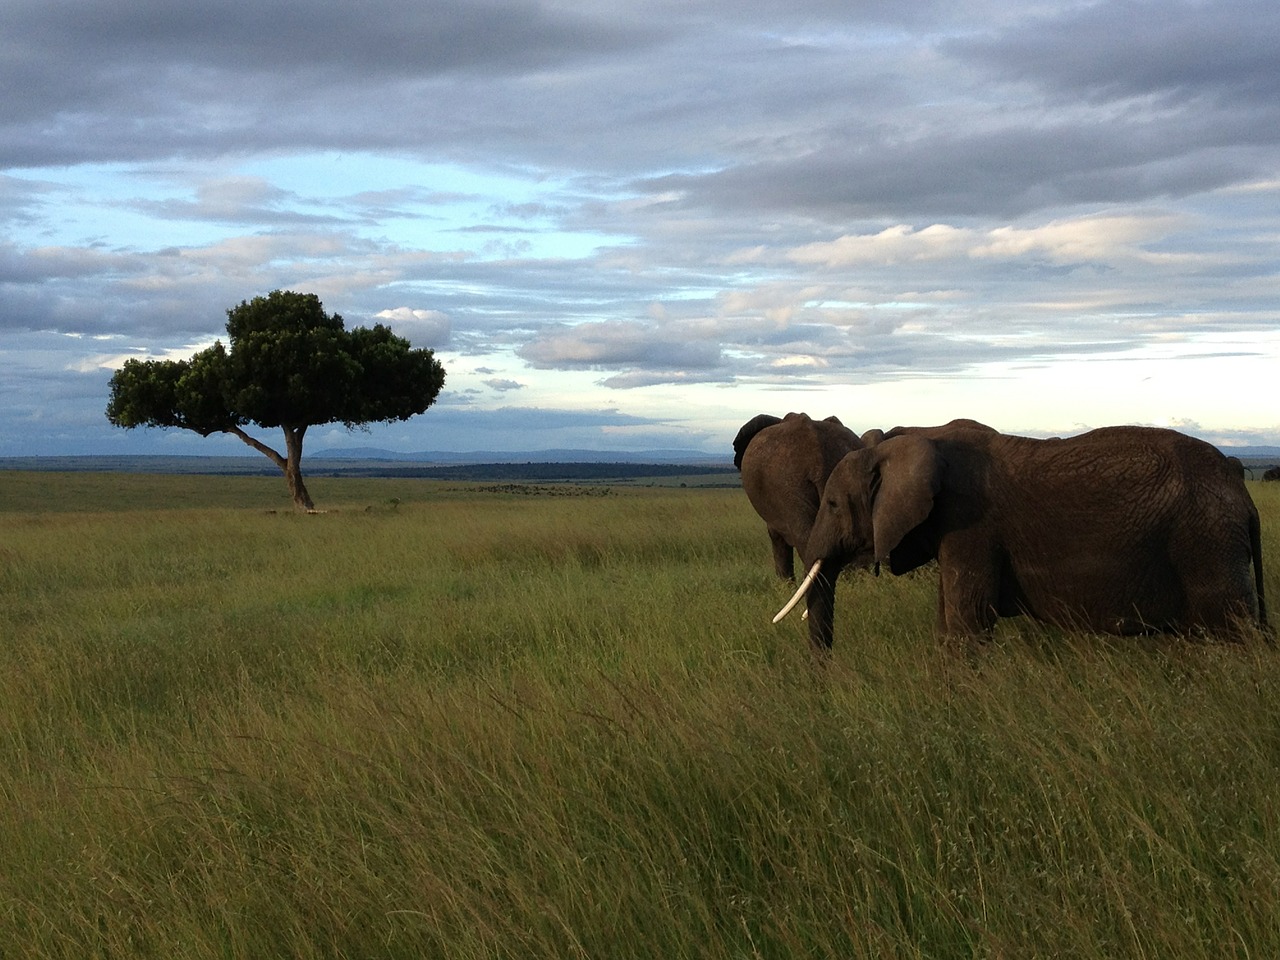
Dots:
{"x": 261, "y": 447}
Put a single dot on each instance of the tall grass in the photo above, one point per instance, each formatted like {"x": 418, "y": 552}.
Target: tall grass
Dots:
{"x": 440, "y": 721}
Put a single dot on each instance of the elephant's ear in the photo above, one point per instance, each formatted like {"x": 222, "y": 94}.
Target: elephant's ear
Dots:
{"x": 748, "y": 432}
{"x": 909, "y": 476}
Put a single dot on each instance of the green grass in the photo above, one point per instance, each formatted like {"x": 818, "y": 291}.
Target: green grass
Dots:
{"x": 447, "y": 721}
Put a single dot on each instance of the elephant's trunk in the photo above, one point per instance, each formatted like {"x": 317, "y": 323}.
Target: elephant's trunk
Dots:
{"x": 801, "y": 590}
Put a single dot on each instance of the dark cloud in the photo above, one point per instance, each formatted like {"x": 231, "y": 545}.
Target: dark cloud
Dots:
{"x": 1009, "y": 173}
{"x": 21, "y": 198}
{"x": 1171, "y": 51}
{"x": 299, "y": 41}
{"x": 503, "y": 385}
{"x": 151, "y": 78}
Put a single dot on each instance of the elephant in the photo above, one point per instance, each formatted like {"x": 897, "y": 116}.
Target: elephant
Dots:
{"x": 784, "y": 464}
{"x": 1120, "y": 530}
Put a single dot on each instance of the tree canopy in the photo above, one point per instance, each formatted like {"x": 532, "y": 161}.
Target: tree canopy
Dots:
{"x": 288, "y": 365}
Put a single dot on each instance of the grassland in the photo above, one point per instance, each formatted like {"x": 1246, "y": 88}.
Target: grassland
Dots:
{"x": 451, "y": 721}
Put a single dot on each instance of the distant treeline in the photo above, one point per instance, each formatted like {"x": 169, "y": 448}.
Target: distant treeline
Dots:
{"x": 530, "y": 472}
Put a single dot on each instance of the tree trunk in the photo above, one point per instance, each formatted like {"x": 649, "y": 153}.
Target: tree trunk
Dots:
{"x": 290, "y": 466}
{"x": 293, "y": 468}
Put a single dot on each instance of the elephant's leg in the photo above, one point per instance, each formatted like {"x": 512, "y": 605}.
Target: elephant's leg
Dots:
{"x": 821, "y": 610}
{"x": 783, "y": 556}
{"x": 940, "y": 617}
{"x": 968, "y": 595}
{"x": 1225, "y": 607}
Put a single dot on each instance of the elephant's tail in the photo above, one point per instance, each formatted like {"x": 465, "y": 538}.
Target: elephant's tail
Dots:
{"x": 749, "y": 430}
{"x": 1255, "y": 547}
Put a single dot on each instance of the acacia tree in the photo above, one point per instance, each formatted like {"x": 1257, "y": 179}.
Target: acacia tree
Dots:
{"x": 289, "y": 365}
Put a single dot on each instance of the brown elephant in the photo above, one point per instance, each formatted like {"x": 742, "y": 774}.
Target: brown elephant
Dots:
{"x": 1120, "y": 530}
{"x": 785, "y": 463}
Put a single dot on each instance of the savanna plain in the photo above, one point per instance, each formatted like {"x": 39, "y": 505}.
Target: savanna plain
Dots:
{"x": 458, "y": 721}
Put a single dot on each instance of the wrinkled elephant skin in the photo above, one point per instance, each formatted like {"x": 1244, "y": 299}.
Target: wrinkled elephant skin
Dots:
{"x": 1120, "y": 530}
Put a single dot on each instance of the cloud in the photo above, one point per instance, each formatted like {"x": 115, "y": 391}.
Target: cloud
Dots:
{"x": 632, "y": 379}
{"x": 617, "y": 343}
{"x": 210, "y": 80}
{"x": 1183, "y": 51}
{"x": 718, "y": 200}
{"x": 241, "y": 200}
{"x": 21, "y": 265}
{"x": 896, "y": 244}
{"x": 428, "y": 328}
{"x": 1096, "y": 239}
{"x": 21, "y": 197}
{"x": 114, "y": 361}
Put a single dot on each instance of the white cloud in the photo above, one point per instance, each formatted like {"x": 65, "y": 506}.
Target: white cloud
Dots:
{"x": 896, "y": 244}
{"x": 1101, "y": 239}
{"x": 114, "y": 361}
{"x": 799, "y": 362}
{"x": 425, "y": 328}
{"x": 619, "y": 343}
{"x": 1093, "y": 239}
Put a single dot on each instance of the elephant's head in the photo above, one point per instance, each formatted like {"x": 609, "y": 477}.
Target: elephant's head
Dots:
{"x": 875, "y": 509}
{"x": 785, "y": 462}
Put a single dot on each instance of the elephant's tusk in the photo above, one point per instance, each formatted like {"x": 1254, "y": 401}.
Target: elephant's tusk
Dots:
{"x": 805, "y": 584}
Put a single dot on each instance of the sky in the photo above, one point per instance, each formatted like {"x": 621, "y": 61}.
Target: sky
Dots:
{"x": 635, "y": 224}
